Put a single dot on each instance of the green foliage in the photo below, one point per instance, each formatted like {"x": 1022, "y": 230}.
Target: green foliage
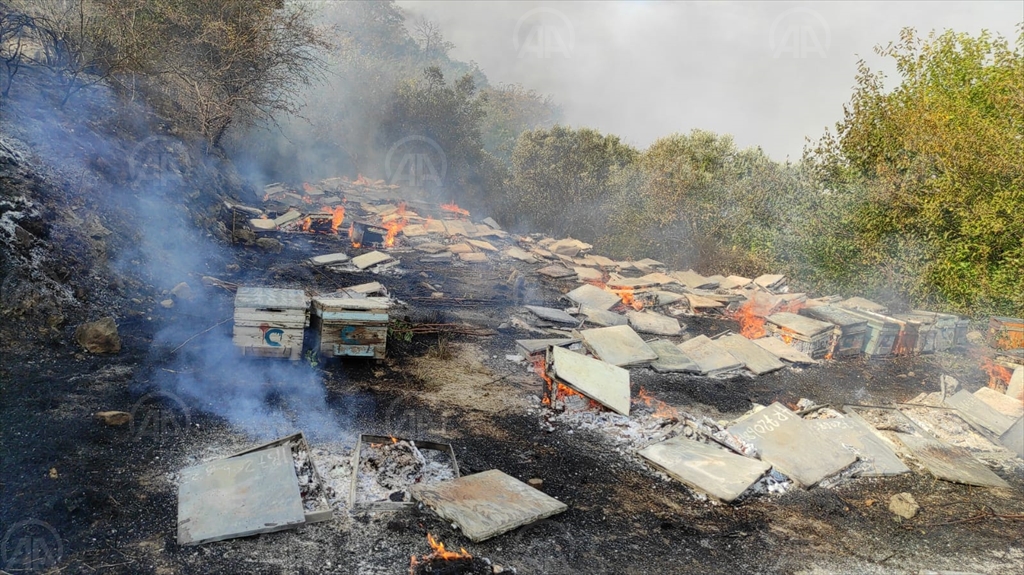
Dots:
{"x": 939, "y": 162}
{"x": 562, "y": 178}
{"x": 448, "y": 114}
{"x": 510, "y": 110}
{"x": 695, "y": 200}
{"x": 400, "y": 330}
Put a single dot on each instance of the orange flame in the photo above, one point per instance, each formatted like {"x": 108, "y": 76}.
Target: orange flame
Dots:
{"x": 351, "y": 235}
{"x": 437, "y": 551}
{"x": 552, "y": 388}
{"x": 627, "y": 295}
{"x": 998, "y": 375}
{"x": 307, "y": 223}
{"x": 751, "y": 316}
{"x": 337, "y": 216}
{"x": 393, "y": 439}
{"x": 662, "y": 410}
{"x": 453, "y": 208}
{"x": 751, "y": 320}
{"x": 395, "y": 226}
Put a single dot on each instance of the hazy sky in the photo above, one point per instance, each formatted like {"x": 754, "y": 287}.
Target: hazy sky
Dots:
{"x": 769, "y": 73}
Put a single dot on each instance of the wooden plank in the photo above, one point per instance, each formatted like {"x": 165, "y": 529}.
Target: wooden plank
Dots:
{"x": 354, "y": 316}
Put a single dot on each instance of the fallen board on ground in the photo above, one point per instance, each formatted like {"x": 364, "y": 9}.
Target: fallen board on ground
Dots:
{"x": 979, "y": 413}
{"x": 618, "y": 345}
{"x": 791, "y": 445}
{"x": 670, "y": 358}
{"x": 939, "y": 459}
{"x": 488, "y": 503}
{"x": 715, "y": 471}
{"x": 593, "y": 296}
{"x": 877, "y": 459}
{"x": 239, "y": 496}
{"x": 532, "y": 346}
{"x": 598, "y": 380}
{"x": 784, "y": 351}
{"x": 757, "y": 359}
{"x": 551, "y": 314}
{"x": 650, "y": 322}
{"x": 709, "y": 357}
{"x": 602, "y": 317}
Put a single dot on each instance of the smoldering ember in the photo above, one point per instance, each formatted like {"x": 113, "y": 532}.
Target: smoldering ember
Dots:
{"x": 288, "y": 288}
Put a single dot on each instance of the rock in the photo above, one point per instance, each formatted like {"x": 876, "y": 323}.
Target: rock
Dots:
{"x": 244, "y": 236}
{"x": 975, "y": 337}
{"x": 903, "y": 505}
{"x": 182, "y": 291}
{"x": 167, "y": 303}
{"x": 113, "y": 418}
{"x": 99, "y": 336}
{"x": 535, "y": 482}
{"x": 270, "y": 244}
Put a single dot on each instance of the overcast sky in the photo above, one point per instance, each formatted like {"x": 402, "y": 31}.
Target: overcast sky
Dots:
{"x": 769, "y": 73}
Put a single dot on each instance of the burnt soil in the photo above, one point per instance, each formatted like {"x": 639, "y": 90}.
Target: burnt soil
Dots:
{"x": 111, "y": 496}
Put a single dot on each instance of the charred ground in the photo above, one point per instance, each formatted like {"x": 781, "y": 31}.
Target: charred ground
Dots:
{"x": 112, "y": 497}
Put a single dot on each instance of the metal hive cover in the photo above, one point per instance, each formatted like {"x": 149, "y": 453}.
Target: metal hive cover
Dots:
{"x": 791, "y": 445}
{"x": 253, "y": 493}
{"x": 618, "y": 345}
{"x": 272, "y": 298}
{"x": 715, "y": 471}
{"x": 598, "y": 380}
{"x": 488, "y": 503}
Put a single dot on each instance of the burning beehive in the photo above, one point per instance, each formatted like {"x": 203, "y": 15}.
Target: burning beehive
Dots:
{"x": 365, "y": 234}
{"x": 850, "y": 330}
{"x": 1006, "y": 332}
{"x": 270, "y": 322}
{"x": 808, "y": 335}
{"x": 350, "y": 327}
{"x": 385, "y": 467}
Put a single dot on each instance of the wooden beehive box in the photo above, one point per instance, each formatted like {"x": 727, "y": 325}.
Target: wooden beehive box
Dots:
{"x": 350, "y": 327}
{"x": 850, "y": 329}
{"x": 947, "y": 328}
{"x": 270, "y": 322}
{"x": 881, "y": 335}
{"x": 938, "y": 330}
{"x": 1006, "y": 332}
{"x": 806, "y": 334}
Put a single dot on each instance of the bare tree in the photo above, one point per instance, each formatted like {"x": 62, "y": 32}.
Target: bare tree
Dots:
{"x": 15, "y": 29}
{"x": 238, "y": 61}
{"x": 431, "y": 40}
{"x": 72, "y": 42}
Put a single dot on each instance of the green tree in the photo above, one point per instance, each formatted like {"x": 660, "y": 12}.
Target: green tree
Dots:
{"x": 510, "y": 110}
{"x": 448, "y": 115}
{"x": 562, "y": 180}
{"x": 698, "y": 201}
{"x": 939, "y": 162}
